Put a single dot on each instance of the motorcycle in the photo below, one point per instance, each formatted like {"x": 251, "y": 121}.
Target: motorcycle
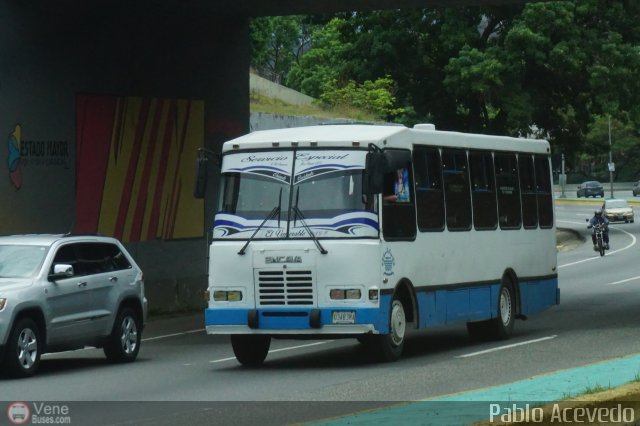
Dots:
{"x": 599, "y": 229}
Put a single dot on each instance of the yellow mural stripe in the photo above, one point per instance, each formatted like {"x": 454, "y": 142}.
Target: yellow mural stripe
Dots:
{"x": 189, "y": 217}
{"x": 119, "y": 158}
{"x": 150, "y": 196}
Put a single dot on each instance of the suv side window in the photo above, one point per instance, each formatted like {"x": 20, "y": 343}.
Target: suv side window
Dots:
{"x": 67, "y": 255}
{"x": 97, "y": 258}
{"x": 92, "y": 258}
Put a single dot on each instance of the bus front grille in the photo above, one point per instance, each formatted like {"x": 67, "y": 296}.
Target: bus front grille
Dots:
{"x": 285, "y": 288}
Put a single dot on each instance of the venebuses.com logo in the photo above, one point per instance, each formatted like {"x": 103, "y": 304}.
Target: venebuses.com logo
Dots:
{"x": 18, "y": 413}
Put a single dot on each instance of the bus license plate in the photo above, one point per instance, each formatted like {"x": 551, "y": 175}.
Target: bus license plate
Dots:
{"x": 344, "y": 317}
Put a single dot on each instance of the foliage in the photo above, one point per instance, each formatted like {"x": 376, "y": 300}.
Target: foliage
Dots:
{"x": 552, "y": 69}
{"x": 322, "y": 63}
{"x": 275, "y": 43}
{"x": 375, "y": 97}
{"x": 625, "y": 142}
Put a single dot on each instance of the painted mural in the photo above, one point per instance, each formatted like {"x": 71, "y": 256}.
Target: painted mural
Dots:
{"x": 14, "y": 163}
{"x": 135, "y": 167}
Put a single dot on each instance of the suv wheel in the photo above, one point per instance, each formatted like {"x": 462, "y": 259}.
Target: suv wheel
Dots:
{"x": 124, "y": 342}
{"x": 22, "y": 353}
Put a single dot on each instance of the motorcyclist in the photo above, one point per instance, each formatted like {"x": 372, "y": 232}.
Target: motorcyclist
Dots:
{"x": 599, "y": 218}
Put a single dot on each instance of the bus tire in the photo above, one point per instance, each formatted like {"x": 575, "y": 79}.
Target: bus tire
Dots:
{"x": 388, "y": 347}
{"x": 250, "y": 349}
{"x": 500, "y": 327}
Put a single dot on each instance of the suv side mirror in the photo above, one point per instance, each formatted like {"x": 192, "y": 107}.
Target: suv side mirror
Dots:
{"x": 61, "y": 270}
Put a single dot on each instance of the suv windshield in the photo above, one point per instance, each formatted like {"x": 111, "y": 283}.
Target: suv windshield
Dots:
{"x": 326, "y": 188}
{"x": 18, "y": 261}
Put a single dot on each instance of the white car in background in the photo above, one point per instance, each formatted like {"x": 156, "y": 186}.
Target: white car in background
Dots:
{"x": 64, "y": 292}
{"x": 616, "y": 210}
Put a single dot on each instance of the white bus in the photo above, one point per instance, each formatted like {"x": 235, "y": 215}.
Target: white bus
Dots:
{"x": 367, "y": 231}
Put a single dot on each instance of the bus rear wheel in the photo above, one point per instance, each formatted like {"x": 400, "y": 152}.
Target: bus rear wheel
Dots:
{"x": 250, "y": 349}
{"x": 388, "y": 347}
{"x": 500, "y": 327}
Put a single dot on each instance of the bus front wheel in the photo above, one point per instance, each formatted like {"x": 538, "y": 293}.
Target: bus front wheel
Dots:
{"x": 389, "y": 346}
{"x": 250, "y": 349}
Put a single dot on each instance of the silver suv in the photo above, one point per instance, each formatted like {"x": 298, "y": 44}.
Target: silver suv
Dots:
{"x": 64, "y": 292}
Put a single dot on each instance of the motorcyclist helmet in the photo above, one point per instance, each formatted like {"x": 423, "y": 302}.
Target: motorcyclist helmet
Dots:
{"x": 598, "y": 212}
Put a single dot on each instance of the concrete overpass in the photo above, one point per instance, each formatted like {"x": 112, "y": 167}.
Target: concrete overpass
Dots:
{"x": 102, "y": 106}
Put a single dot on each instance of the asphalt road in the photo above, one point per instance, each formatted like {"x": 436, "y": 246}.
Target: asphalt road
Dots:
{"x": 183, "y": 373}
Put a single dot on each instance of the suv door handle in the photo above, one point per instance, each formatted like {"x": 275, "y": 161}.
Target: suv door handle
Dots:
{"x": 82, "y": 284}
{"x": 113, "y": 279}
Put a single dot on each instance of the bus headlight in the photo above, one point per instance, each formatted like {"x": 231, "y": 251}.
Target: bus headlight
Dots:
{"x": 3, "y": 303}
{"x": 227, "y": 296}
{"x": 345, "y": 293}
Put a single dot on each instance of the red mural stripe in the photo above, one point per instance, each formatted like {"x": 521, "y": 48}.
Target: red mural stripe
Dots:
{"x": 176, "y": 204}
{"x": 172, "y": 224}
{"x": 121, "y": 114}
{"x": 127, "y": 190}
{"x": 141, "y": 202}
{"x": 170, "y": 124}
{"x": 95, "y": 117}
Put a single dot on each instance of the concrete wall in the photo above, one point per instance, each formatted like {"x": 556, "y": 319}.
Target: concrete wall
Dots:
{"x": 269, "y": 89}
{"x": 49, "y": 55}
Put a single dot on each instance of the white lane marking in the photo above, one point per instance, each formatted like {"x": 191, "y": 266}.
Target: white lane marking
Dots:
{"x": 633, "y": 243}
{"x": 624, "y": 281}
{"x": 143, "y": 340}
{"x": 500, "y": 348}
{"x": 275, "y": 350}
{"x": 148, "y": 339}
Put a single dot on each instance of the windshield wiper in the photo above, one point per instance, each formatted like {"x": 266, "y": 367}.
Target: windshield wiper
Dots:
{"x": 275, "y": 211}
{"x": 298, "y": 213}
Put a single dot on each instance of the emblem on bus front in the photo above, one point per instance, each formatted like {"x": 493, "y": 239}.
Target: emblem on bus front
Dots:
{"x": 283, "y": 259}
{"x": 388, "y": 262}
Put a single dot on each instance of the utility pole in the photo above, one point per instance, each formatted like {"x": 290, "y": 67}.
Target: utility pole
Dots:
{"x": 612, "y": 166}
{"x": 563, "y": 179}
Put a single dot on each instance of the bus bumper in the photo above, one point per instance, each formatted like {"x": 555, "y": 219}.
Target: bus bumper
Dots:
{"x": 317, "y": 321}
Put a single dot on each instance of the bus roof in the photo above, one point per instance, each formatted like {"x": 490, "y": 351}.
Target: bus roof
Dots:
{"x": 384, "y": 136}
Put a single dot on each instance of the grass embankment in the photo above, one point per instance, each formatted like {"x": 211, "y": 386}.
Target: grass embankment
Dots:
{"x": 259, "y": 103}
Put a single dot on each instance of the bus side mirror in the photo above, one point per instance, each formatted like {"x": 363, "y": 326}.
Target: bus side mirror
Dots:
{"x": 201, "y": 176}
{"x": 372, "y": 180}
{"x": 379, "y": 162}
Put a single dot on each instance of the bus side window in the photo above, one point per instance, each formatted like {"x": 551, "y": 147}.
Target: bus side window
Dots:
{"x": 427, "y": 167}
{"x": 508, "y": 188}
{"x": 528, "y": 191}
{"x": 543, "y": 190}
{"x": 398, "y": 210}
{"x": 456, "y": 188}
{"x": 483, "y": 190}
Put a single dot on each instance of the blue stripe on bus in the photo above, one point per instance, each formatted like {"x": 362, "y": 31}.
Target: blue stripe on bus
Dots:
{"x": 378, "y": 317}
{"x": 457, "y": 305}
{"x": 538, "y": 295}
{"x": 435, "y": 308}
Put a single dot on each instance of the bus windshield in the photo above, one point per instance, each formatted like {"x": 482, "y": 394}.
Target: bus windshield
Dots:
{"x": 323, "y": 197}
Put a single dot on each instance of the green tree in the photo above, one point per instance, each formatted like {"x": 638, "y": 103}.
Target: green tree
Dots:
{"x": 374, "y": 97}
{"x": 625, "y": 143}
{"x": 275, "y": 44}
{"x": 544, "y": 68}
{"x": 322, "y": 63}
